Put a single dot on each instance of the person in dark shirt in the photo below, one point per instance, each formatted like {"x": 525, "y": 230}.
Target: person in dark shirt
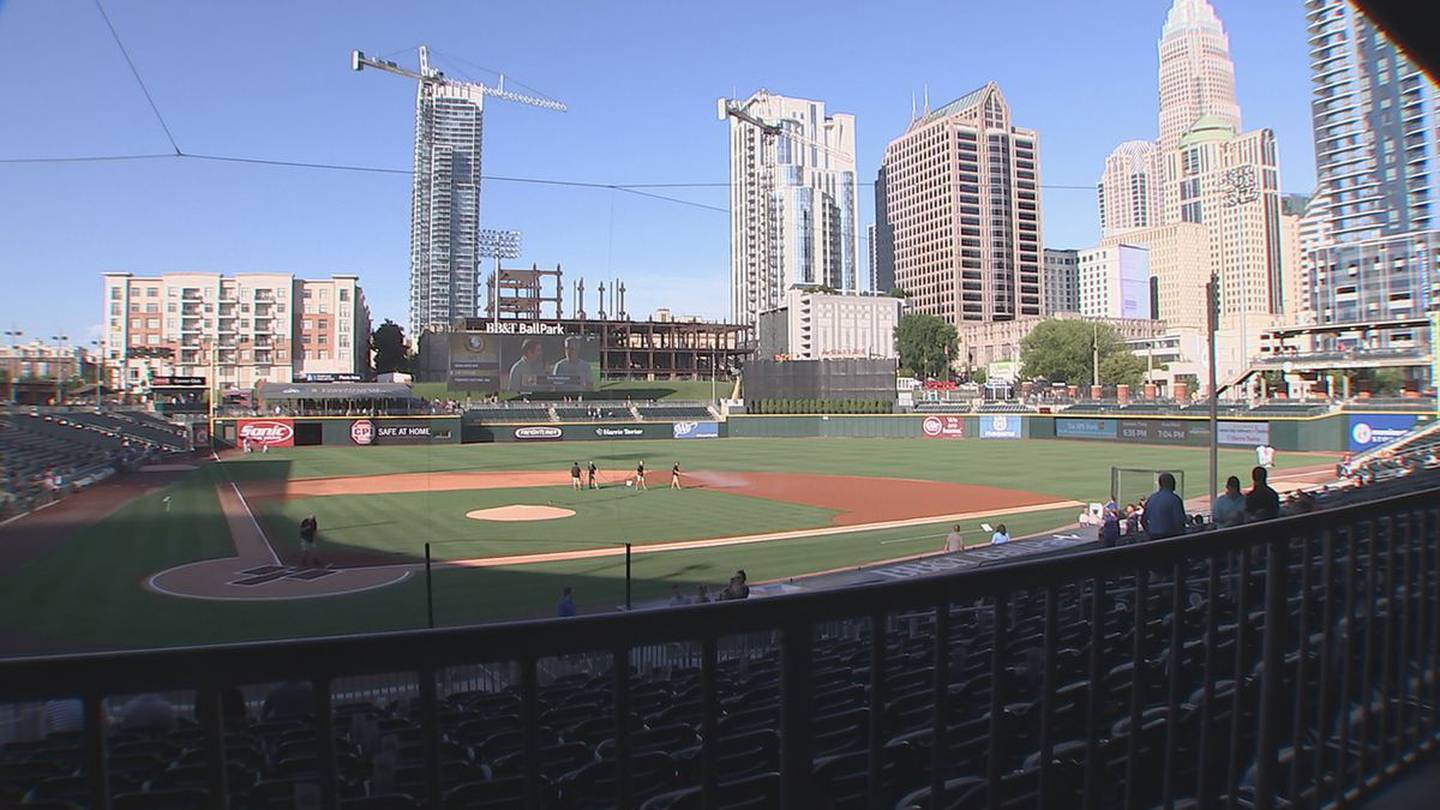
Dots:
{"x": 593, "y": 485}
{"x": 309, "y": 527}
{"x": 1164, "y": 514}
{"x": 1262, "y": 502}
{"x": 566, "y": 606}
{"x": 575, "y": 475}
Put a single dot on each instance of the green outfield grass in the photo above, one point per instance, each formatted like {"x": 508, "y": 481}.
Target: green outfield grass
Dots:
{"x": 87, "y": 590}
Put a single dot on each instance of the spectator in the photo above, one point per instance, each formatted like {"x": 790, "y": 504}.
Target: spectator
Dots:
{"x": 148, "y": 712}
{"x": 1262, "y": 503}
{"x": 1230, "y": 507}
{"x": 1000, "y": 537}
{"x": 1110, "y": 527}
{"x": 566, "y": 606}
{"x": 290, "y": 699}
{"x": 1132, "y": 519}
{"x": 64, "y": 715}
{"x": 677, "y": 598}
{"x": 954, "y": 541}
{"x": 738, "y": 588}
{"x": 232, "y": 708}
{"x": 702, "y": 595}
{"x": 1164, "y": 512}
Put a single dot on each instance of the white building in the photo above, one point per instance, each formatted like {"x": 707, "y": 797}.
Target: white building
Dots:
{"x": 235, "y": 331}
{"x": 1128, "y": 193}
{"x": 1180, "y": 266}
{"x": 819, "y": 326}
{"x": 793, "y": 204}
{"x": 1115, "y": 282}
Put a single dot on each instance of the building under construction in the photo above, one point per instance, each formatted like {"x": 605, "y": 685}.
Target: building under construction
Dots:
{"x": 664, "y": 348}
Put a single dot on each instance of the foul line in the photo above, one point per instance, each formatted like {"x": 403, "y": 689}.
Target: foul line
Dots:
{"x": 739, "y": 540}
{"x": 275, "y": 558}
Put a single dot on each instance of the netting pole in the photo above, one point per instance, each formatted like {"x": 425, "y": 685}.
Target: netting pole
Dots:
{"x": 429, "y": 591}
{"x": 627, "y": 576}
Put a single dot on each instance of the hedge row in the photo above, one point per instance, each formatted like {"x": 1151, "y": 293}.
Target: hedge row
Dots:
{"x": 802, "y": 406}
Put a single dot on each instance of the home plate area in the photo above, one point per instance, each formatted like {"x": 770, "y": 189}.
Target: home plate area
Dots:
{"x": 269, "y": 573}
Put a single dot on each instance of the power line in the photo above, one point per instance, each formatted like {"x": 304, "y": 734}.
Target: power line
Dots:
{"x": 136, "y": 73}
{"x": 293, "y": 164}
{"x": 88, "y": 158}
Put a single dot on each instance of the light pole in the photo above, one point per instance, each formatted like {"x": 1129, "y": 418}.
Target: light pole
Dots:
{"x": 13, "y": 335}
{"x": 60, "y": 341}
{"x": 99, "y": 373}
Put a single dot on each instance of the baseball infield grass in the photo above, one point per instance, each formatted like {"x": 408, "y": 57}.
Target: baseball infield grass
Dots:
{"x": 88, "y": 590}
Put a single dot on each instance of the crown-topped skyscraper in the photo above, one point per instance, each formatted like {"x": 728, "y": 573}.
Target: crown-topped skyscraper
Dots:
{"x": 1197, "y": 77}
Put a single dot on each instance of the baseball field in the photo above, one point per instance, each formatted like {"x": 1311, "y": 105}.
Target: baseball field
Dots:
{"x": 211, "y": 553}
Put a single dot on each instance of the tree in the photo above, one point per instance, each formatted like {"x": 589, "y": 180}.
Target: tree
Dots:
{"x": 927, "y": 344}
{"x": 897, "y": 292}
{"x": 979, "y": 376}
{"x": 388, "y": 344}
{"x": 1122, "y": 368}
{"x": 1061, "y": 350}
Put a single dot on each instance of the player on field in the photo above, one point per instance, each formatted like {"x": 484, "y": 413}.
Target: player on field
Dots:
{"x": 640, "y": 476}
{"x": 575, "y": 475}
{"x": 593, "y": 485}
{"x": 308, "y": 529}
{"x": 675, "y": 476}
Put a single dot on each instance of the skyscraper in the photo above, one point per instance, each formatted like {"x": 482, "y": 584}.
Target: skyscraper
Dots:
{"x": 882, "y": 241}
{"x": 1129, "y": 191}
{"x": 1376, "y": 161}
{"x": 1062, "y": 281}
{"x": 1197, "y": 77}
{"x": 963, "y": 196}
{"x": 444, "y": 205}
{"x": 793, "y": 204}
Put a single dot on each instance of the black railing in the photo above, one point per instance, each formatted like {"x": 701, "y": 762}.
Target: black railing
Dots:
{"x": 1288, "y": 663}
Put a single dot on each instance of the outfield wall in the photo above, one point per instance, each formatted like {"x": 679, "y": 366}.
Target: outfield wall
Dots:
{"x": 1348, "y": 431}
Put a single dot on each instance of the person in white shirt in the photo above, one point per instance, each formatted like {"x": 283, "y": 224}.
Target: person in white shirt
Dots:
{"x": 954, "y": 541}
{"x": 1269, "y": 456}
{"x": 1000, "y": 537}
{"x": 1260, "y": 454}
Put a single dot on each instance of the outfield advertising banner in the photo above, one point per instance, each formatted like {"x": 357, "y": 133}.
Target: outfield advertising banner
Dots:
{"x": 943, "y": 427}
{"x": 1243, "y": 434}
{"x": 571, "y": 433}
{"x": 365, "y": 432}
{"x": 999, "y": 426}
{"x": 1155, "y": 431}
{"x": 266, "y": 432}
{"x": 1071, "y": 428}
{"x": 1372, "y": 430}
{"x": 696, "y": 430}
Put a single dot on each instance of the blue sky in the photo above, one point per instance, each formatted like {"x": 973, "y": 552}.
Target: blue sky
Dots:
{"x": 271, "y": 80}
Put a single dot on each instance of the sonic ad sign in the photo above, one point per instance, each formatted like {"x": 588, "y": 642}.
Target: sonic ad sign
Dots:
{"x": 266, "y": 432}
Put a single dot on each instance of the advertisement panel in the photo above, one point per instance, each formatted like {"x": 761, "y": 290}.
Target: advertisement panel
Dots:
{"x": 1071, "y": 428}
{"x": 572, "y": 433}
{"x": 266, "y": 432}
{"x": 1243, "y": 434}
{"x": 538, "y": 433}
{"x": 1134, "y": 281}
{"x": 696, "y": 430}
{"x": 1371, "y": 430}
{"x": 943, "y": 427}
{"x": 483, "y": 361}
{"x": 1161, "y": 431}
{"x": 365, "y": 432}
{"x": 999, "y": 426}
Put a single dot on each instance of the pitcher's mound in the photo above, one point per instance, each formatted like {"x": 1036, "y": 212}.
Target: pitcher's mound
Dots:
{"x": 518, "y": 512}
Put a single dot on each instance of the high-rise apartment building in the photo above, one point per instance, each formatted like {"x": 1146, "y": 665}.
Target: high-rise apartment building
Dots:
{"x": 244, "y": 329}
{"x": 793, "y": 201}
{"x": 882, "y": 241}
{"x": 963, "y": 196}
{"x": 1197, "y": 77}
{"x": 1313, "y": 232}
{"x": 1062, "y": 281}
{"x": 1292, "y": 258}
{"x": 1128, "y": 193}
{"x": 445, "y": 206}
{"x": 1377, "y": 161}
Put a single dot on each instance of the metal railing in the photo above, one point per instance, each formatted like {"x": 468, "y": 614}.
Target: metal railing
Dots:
{"x": 1286, "y": 663}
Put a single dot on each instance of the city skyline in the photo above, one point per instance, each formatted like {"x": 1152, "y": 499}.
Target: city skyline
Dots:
{"x": 676, "y": 253}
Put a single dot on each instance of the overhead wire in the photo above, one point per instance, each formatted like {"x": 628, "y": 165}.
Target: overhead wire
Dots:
{"x": 136, "y": 73}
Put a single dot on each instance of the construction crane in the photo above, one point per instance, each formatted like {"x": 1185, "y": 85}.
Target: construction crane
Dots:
{"x": 430, "y": 76}
{"x": 732, "y": 108}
